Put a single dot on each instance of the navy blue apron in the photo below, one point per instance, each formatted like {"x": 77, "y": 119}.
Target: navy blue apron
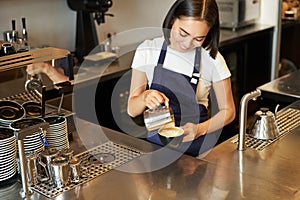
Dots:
{"x": 181, "y": 90}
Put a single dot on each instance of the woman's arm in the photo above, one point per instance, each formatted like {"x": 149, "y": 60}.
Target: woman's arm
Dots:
{"x": 140, "y": 98}
{"x": 137, "y": 87}
{"x": 47, "y": 69}
{"x": 224, "y": 116}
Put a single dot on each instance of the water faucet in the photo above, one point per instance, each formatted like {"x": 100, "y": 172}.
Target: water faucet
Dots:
{"x": 243, "y": 117}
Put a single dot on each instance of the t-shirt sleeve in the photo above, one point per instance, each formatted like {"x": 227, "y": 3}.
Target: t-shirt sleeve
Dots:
{"x": 139, "y": 59}
{"x": 221, "y": 69}
{"x": 146, "y": 55}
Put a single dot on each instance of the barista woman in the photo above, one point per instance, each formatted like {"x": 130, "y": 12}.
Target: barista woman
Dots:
{"x": 179, "y": 69}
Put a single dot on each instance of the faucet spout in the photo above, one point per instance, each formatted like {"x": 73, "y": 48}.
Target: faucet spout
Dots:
{"x": 243, "y": 117}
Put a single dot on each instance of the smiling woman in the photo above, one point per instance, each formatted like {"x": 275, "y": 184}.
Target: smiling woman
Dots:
{"x": 188, "y": 33}
{"x": 180, "y": 69}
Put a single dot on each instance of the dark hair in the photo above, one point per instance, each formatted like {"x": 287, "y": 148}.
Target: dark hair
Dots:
{"x": 200, "y": 9}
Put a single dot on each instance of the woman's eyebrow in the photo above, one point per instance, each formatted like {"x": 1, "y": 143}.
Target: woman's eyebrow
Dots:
{"x": 202, "y": 36}
{"x": 184, "y": 31}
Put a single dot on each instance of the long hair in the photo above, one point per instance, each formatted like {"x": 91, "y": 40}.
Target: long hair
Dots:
{"x": 206, "y": 10}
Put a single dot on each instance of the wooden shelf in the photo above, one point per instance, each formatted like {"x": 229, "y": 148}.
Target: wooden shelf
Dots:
{"x": 19, "y": 60}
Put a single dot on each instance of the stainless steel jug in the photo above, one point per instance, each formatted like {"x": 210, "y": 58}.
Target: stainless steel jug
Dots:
{"x": 264, "y": 125}
{"x": 75, "y": 170}
{"x": 36, "y": 171}
{"x": 46, "y": 158}
{"x": 59, "y": 168}
{"x": 158, "y": 117}
{"x": 67, "y": 153}
{"x": 32, "y": 169}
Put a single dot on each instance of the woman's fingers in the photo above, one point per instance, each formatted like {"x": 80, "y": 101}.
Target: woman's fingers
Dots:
{"x": 154, "y": 98}
{"x": 35, "y": 68}
{"x": 29, "y": 69}
{"x": 190, "y": 131}
{"x": 166, "y": 99}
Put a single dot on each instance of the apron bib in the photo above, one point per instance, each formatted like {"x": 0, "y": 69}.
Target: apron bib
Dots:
{"x": 181, "y": 90}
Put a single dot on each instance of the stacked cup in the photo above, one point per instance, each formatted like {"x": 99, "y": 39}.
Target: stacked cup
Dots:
{"x": 8, "y": 151}
{"x": 10, "y": 111}
{"x": 57, "y": 133}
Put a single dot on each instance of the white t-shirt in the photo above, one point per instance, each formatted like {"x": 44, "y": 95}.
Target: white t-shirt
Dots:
{"x": 212, "y": 70}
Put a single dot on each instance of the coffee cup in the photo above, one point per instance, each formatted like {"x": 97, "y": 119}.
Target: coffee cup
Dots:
{"x": 171, "y": 135}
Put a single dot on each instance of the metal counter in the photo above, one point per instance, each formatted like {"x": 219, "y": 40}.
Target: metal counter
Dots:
{"x": 227, "y": 36}
{"x": 223, "y": 173}
{"x": 286, "y": 86}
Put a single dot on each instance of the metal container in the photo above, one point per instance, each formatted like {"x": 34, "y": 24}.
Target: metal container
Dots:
{"x": 67, "y": 153}
{"x": 7, "y": 49}
{"x": 32, "y": 169}
{"x": 238, "y": 13}
{"x": 46, "y": 157}
{"x": 158, "y": 117}
{"x": 75, "y": 170}
{"x": 59, "y": 168}
{"x": 7, "y": 36}
{"x": 264, "y": 125}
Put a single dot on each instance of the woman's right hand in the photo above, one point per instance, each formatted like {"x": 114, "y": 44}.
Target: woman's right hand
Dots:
{"x": 36, "y": 68}
{"x": 154, "y": 98}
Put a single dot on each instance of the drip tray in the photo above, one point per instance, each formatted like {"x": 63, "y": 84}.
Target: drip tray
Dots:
{"x": 287, "y": 120}
{"x": 96, "y": 162}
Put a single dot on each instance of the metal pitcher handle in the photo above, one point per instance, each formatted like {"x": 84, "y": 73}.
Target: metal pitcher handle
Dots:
{"x": 46, "y": 171}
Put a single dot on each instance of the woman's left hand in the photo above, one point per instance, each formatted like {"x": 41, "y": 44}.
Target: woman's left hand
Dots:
{"x": 190, "y": 132}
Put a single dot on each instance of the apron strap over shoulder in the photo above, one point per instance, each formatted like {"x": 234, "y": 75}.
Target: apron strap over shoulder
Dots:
{"x": 196, "y": 72}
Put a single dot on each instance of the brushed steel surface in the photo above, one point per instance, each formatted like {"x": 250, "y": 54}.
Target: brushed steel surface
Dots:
{"x": 224, "y": 173}
{"x": 288, "y": 85}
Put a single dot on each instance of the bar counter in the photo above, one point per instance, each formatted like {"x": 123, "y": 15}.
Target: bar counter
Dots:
{"x": 222, "y": 173}
{"x": 162, "y": 173}
{"x": 287, "y": 86}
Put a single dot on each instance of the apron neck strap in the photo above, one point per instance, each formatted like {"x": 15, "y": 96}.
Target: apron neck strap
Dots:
{"x": 162, "y": 54}
{"x": 197, "y": 60}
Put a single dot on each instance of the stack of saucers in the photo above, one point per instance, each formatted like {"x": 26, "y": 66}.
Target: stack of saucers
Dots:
{"x": 57, "y": 133}
{"x": 32, "y": 109}
{"x": 10, "y": 111}
{"x": 33, "y": 142}
{"x": 8, "y": 152}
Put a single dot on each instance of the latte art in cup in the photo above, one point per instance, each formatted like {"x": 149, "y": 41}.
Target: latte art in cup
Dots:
{"x": 171, "y": 131}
